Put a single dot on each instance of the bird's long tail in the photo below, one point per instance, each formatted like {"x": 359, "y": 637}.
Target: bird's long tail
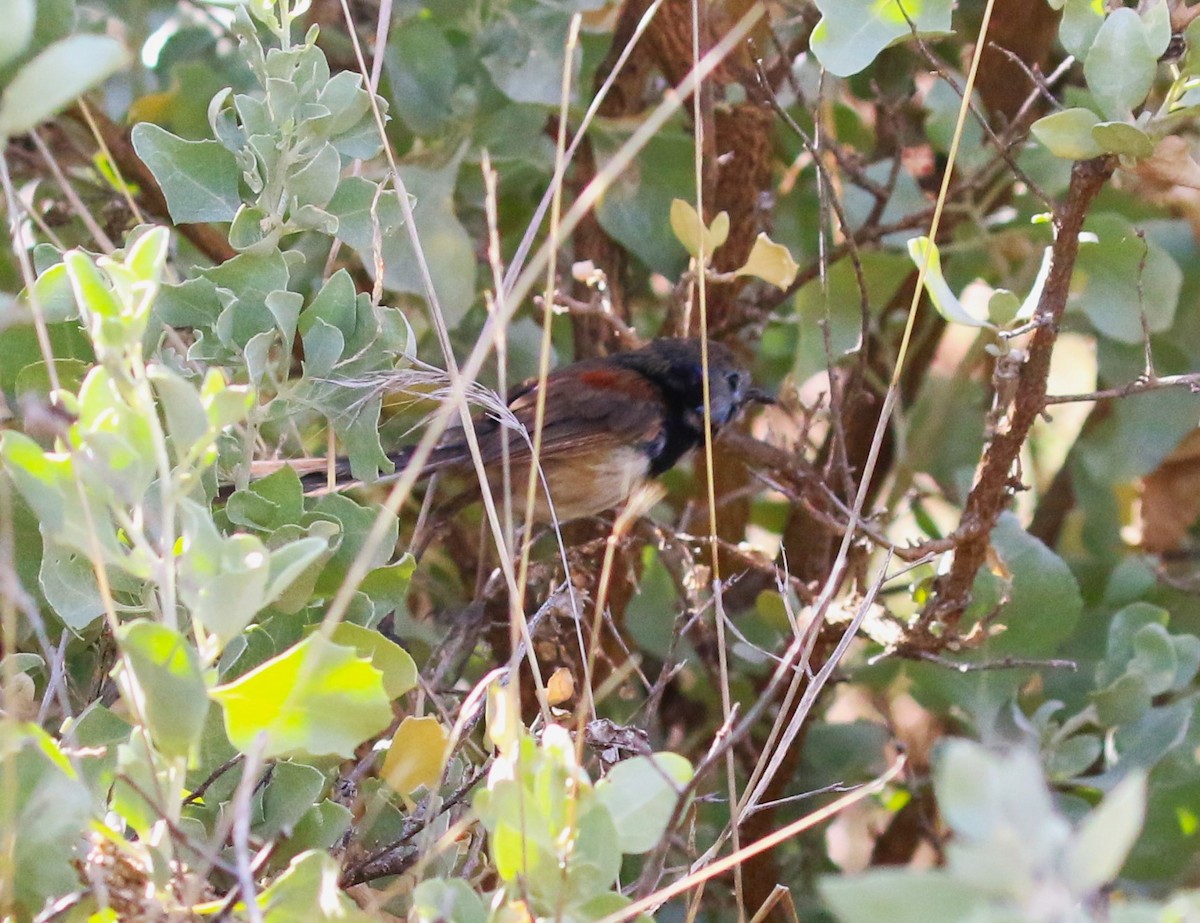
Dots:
{"x": 321, "y": 476}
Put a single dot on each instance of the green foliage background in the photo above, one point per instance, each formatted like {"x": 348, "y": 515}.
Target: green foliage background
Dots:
{"x": 249, "y": 703}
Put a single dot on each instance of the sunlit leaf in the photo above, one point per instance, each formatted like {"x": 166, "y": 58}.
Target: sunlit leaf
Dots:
{"x": 308, "y": 892}
{"x": 770, "y": 262}
{"x": 921, "y": 249}
{"x": 317, "y": 697}
{"x": 388, "y": 657}
{"x": 416, "y": 755}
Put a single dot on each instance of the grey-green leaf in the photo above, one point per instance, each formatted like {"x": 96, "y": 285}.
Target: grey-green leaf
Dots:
{"x": 199, "y": 178}
{"x": 166, "y": 684}
{"x": 57, "y": 76}
{"x": 1121, "y": 65}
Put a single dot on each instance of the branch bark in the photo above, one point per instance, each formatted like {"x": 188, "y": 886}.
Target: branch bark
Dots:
{"x": 997, "y": 479}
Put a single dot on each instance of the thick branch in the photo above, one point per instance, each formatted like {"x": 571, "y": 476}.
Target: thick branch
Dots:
{"x": 995, "y": 483}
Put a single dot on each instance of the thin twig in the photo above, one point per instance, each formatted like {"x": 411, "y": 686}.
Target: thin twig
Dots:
{"x": 1004, "y": 663}
{"x": 1189, "y": 380}
{"x": 240, "y": 806}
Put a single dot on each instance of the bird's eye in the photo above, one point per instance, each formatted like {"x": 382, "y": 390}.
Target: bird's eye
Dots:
{"x": 734, "y": 380}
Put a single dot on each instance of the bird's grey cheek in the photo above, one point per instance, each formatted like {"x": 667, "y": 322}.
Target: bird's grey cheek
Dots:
{"x": 722, "y": 411}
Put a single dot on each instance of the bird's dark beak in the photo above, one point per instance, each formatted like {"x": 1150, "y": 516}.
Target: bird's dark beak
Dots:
{"x": 758, "y": 396}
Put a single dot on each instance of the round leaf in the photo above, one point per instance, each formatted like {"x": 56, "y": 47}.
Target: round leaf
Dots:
{"x": 317, "y": 697}
{"x": 416, "y": 755}
{"x": 1068, "y": 134}
{"x": 640, "y": 794}
{"x": 1121, "y": 65}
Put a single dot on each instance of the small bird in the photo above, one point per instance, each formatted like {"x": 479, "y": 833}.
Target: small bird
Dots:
{"x": 610, "y": 424}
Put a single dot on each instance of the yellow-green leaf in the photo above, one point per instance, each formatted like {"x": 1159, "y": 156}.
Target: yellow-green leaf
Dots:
{"x": 770, "y": 262}
{"x": 317, "y": 697}
{"x": 416, "y": 756}
{"x": 388, "y": 657}
{"x": 687, "y": 226}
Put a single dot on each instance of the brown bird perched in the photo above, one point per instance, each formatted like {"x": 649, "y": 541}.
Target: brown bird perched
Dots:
{"x": 610, "y": 424}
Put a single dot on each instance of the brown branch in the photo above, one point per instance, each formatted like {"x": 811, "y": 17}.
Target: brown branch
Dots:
{"x": 995, "y": 483}
{"x": 1139, "y": 386}
{"x": 206, "y": 238}
{"x": 399, "y": 855}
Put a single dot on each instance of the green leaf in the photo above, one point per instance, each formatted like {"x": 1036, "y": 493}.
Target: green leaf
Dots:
{"x": 1187, "y": 659}
{"x": 48, "y": 806}
{"x": 921, "y": 249}
{"x": 1124, "y": 139}
{"x": 422, "y": 71}
{"x": 48, "y": 483}
{"x": 308, "y": 892}
{"x": 691, "y": 232}
{"x": 268, "y": 503}
{"x": 1068, "y": 134}
{"x": 166, "y": 686}
{"x": 1122, "y": 274}
{"x": 1123, "y": 629}
{"x": 187, "y": 424}
{"x": 56, "y": 77}
{"x": 290, "y": 795}
{"x": 321, "y": 826}
{"x": 198, "y": 178}
{"x": 290, "y": 561}
{"x": 1003, "y": 307}
{"x": 1120, "y": 66}
{"x": 641, "y": 794}
{"x": 1073, "y": 757}
{"x": 222, "y": 581}
{"x": 595, "y": 860}
{"x": 1102, "y": 842}
{"x": 524, "y": 55}
{"x": 317, "y": 180}
{"x": 388, "y": 586}
{"x": 18, "y": 32}
{"x": 1156, "y": 17}
{"x": 68, "y": 581}
{"x": 633, "y": 207}
{"x": 249, "y": 229}
{"x": 356, "y": 522}
{"x": 851, "y": 33}
{"x": 1081, "y": 20}
{"x": 1044, "y": 603}
{"x": 224, "y": 404}
{"x": 52, "y": 292}
{"x": 444, "y": 241}
{"x": 1121, "y": 702}
{"x": 900, "y": 896}
{"x": 388, "y": 657}
{"x": 836, "y": 302}
{"x": 453, "y": 900}
{"x": 1154, "y": 659}
{"x": 317, "y": 698}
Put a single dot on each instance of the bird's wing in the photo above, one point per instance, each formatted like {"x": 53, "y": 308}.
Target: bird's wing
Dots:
{"x": 588, "y": 407}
